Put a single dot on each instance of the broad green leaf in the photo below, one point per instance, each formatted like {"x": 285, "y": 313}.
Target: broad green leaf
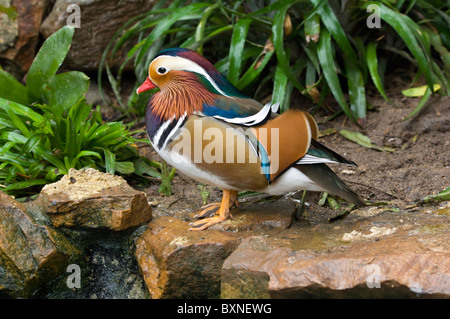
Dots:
{"x": 325, "y": 54}
{"x": 84, "y": 154}
{"x": 14, "y": 137}
{"x": 142, "y": 168}
{"x": 279, "y": 87}
{"x": 334, "y": 27}
{"x": 20, "y": 109}
{"x": 278, "y": 43}
{"x": 362, "y": 56}
{"x": 110, "y": 161}
{"x": 312, "y": 28}
{"x": 11, "y": 89}
{"x": 25, "y": 184}
{"x": 440, "y": 197}
{"x": 12, "y": 160}
{"x": 372, "y": 63}
{"x": 238, "y": 38}
{"x": 311, "y": 52}
{"x": 406, "y": 29}
{"x": 199, "y": 32}
{"x": 436, "y": 41}
{"x": 80, "y": 115}
{"x": 30, "y": 144}
{"x": 96, "y": 131}
{"x": 48, "y": 60}
{"x": 5, "y": 148}
{"x": 45, "y": 154}
{"x": 310, "y": 74}
{"x": 421, "y": 104}
{"x": 282, "y": 88}
{"x": 356, "y": 89}
{"x": 125, "y": 167}
{"x": 363, "y": 140}
{"x": 18, "y": 123}
{"x": 115, "y": 130}
{"x": 255, "y": 69}
{"x": 64, "y": 90}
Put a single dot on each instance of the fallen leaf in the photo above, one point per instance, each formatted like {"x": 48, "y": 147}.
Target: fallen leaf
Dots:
{"x": 419, "y": 91}
{"x": 363, "y": 140}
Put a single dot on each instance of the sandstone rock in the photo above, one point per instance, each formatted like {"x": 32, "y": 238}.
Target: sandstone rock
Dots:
{"x": 178, "y": 263}
{"x": 99, "y": 19}
{"x": 89, "y": 198}
{"x": 408, "y": 257}
{"x": 29, "y": 17}
{"x": 30, "y": 254}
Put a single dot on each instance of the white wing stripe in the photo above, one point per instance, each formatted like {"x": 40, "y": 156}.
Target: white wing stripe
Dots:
{"x": 310, "y": 159}
{"x": 253, "y": 119}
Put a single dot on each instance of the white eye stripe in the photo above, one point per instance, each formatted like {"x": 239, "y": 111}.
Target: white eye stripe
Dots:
{"x": 183, "y": 64}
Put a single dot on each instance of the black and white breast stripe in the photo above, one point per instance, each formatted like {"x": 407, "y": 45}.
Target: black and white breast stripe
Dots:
{"x": 167, "y": 132}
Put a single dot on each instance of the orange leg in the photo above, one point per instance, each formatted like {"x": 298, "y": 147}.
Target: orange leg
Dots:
{"x": 229, "y": 198}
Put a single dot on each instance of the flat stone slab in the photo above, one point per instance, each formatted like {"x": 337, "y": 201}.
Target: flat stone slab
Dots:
{"x": 265, "y": 216}
{"x": 178, "y": 263}
{"x": 92, "y": 199}
{"x": 372, "y": 254}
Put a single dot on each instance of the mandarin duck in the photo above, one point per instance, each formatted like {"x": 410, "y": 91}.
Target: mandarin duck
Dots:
{"x": 202, "y": 125}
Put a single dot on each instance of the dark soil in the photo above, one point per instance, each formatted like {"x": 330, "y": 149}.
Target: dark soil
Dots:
{"x": 419, "y": 166}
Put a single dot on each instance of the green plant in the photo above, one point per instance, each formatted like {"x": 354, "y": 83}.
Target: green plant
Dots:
{"x": 316, "y": 46}
{"x": 47, "y": 128}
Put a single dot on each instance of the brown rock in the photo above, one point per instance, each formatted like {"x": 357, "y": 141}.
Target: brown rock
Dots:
{"x": 178, "y": 263}
{"x": 99, "y": 19}
{"x": 89, "y": 198}
{"x": 29, "y": 17}
{"x": 30, "y": 254}
{"x": 387, "y": 262}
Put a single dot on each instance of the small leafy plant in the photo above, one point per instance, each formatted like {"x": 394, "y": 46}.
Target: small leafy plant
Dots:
{"x": 47, "y": 128}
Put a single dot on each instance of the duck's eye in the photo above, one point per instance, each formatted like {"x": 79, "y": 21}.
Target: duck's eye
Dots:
{"x": 161, "y": 70}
